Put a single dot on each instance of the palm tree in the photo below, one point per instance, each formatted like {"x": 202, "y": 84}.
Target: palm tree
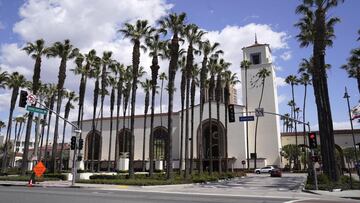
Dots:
{"x": 147, "y": 86}
{"x": 353, "y": 66}
{"x": 15, "y": 81}
{"x": 3, "y": 78}
{"x": 20, "y": 120}
{"x": 126, "y": 95}
{"x": 175, "y": 24}
{"x": 119, "y": 71}
{"x": 162, "y": 77}
{"x": 230, "y": 79}
{"x": 51, "y": 97}
{"x": 182, "y": 65}
{"x": 156, "y": 47}
{"x": 317, "y": 29}
{"x": 193, "y": 36}
{"x": 261, "y": 75}
{"x": 194, "y": 83}
{"x": 207, "y": 49}
{"x": 245, "y": 65}
{"x": 90, "y": 59}
{"x": 113, "y": 84}
{"x": 65, "y": 51}
{"x": 106, "y": 61}
{"x": 36, "y": 51}
{"x": 212, "y": 66}
{"x": 135, "y": 32}
{"x": 71, "y": 97}
{"x": 96, "y": 74}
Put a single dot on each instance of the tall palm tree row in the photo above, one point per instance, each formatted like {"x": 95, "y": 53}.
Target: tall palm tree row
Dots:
{"x": 317, "y": 29}
{"x": 260, "y": 77}
{"x": 64, "y": 51}
{"x": 15, "y": 81}
{"x": 136, "y": 33}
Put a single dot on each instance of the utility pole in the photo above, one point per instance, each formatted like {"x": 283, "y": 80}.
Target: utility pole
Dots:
{"x": 347, "y": 96}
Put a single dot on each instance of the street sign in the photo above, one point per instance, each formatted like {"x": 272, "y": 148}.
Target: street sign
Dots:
{"x": 259, "y": 112}
{"x": 246, "y": 118}
{"x": 243, "y": 162}
{"x": 39, "y": 169}
{"x": 31, "y": 99}
{"x": 36, "y": 109}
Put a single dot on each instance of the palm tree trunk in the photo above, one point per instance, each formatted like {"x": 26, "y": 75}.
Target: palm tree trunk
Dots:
{"x": 220, "y": 141}
{"x": 193, "y": 89}
{"x": 210, "y": 139}
{"x": 112, "y": 102}
{"x": 257, "y": 120}
{"x": 155, "y": 69}
{"x": 118, "y": 103}
{"x": 144, "y": 136}
{"x": 95, "y": 102}
{"x": 187, "y": 127}
{"x": 24, "y": 164}
{"x": 304, "y": 125}
{"x": 42, "y": 137}
{"x": 183, "y": 86}
{"x": 67, "y": 111}
{"x": 247, "y": 123}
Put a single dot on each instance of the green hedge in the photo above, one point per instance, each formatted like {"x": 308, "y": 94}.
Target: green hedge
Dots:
{"x": 57, "y": 176}
{"x": 324, "y": 183}
{"x": 158, "y": 179}
{"x": 24, "y": 178}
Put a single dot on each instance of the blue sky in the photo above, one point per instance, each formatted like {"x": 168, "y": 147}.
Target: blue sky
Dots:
{"x": 272, "y": 21}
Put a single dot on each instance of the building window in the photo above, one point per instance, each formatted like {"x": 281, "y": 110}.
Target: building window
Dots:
{"x": 255, "y": 58}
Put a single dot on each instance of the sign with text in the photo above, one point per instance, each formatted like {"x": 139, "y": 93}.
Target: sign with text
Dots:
{"x": 36, "y": 109}
{"x": 246, "y": 118}
{"x": 39, "y": 169}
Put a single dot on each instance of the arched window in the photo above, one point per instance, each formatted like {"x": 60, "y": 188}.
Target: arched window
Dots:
{"x": 124, "y": 141}
{"x": 93, "y": 139}
{"x": 160, "y": 135}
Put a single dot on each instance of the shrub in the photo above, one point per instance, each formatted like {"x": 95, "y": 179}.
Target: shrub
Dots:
{"x": 57, "y": 176}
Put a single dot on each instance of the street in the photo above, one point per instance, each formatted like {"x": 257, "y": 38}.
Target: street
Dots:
{"x": 253, "y": 188}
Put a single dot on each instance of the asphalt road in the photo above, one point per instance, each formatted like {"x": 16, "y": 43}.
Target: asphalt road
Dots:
{"x": 59, "y": 195}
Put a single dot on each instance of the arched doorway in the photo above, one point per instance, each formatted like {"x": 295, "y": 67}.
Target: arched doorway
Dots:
{"x": 93, "y": 147}
{"x": 217, "y": 143}
{"x": 124, "y": 138}
{"x": 160, "y": 135}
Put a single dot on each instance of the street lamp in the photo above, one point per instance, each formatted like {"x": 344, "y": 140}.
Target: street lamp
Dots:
{"x": 346, "y": 96}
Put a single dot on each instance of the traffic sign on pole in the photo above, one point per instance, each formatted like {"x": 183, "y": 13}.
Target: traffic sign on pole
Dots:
{"x": 31, "y": 98}
{"x": 246, "y": 118}
{"x": 36, "y": 110}
{"x": 259, "y": 112}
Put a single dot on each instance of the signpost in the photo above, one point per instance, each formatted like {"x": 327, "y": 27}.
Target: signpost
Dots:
{"x": 31, "y": 99}
{"x": 246, "y": 118}
{"x": 36, "y": 110}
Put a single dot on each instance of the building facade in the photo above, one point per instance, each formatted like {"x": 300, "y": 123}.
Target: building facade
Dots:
{"x": 224, "y": 142}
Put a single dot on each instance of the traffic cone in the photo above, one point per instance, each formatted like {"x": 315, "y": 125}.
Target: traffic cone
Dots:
{"x": 30, "y": 183}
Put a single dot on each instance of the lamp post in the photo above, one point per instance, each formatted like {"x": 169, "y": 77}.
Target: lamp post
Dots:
{"x": 346, "y": 96}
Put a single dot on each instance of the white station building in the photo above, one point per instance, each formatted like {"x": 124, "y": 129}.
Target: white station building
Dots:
{"x": 235, "y": 146}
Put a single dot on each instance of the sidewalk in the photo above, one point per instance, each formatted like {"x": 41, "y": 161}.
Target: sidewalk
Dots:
{"x": 197, "y": 189}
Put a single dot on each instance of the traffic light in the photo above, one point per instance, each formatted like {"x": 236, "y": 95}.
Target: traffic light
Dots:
{"x": 231, "y": 113}
{"x": 23, "y": 98}
{"x": 312, "y": 140}
{"x": 73, "y": 143}
{"x": 81, "y": 144}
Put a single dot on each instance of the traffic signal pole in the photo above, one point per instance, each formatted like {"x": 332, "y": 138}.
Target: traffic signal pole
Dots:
{"x": 77, "y": 131}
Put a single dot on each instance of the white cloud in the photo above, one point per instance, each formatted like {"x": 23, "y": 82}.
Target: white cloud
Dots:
{"x": 233, "y": 38}
{"x": 247, "y": 18}
{"x": 286, "y": 55}
{"x": 280, "y": 82}
{"x": 282, "y": 98}
{"x": 278, "y": 68}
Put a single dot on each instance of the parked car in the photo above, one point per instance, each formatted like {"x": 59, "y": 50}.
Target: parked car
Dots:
{"x": 266, "y": 169}
{"x": 276, "y": 172}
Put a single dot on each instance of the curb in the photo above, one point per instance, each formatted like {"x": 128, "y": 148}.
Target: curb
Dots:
{"x": 309, "y": 191}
